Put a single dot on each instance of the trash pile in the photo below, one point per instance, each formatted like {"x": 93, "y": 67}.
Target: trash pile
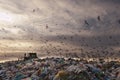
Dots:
{"x": 59, "y": 69}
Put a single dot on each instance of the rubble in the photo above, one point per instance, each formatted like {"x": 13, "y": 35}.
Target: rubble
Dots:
{"x": 59, "y": 69}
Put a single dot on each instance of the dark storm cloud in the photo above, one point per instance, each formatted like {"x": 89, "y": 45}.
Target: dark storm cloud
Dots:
{"x": 111, "y": 1}
{"x": 89, "y": 41}
{"x": 66, "y": 17}
{"x": 63, "y": 18}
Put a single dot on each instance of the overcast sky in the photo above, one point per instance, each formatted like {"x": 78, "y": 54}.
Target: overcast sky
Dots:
{"x": 55, "y": 26}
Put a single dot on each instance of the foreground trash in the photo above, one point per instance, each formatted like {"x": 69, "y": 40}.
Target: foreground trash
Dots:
{"x": 59, "y": 69}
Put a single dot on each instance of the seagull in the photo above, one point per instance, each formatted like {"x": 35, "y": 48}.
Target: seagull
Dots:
{"x": 110, "y": 37}
{"x": 33, "y": 10}
{"x": 46, "y": 26}
{"x": 98, "y": 18}
{"x": 86, "y": 22}
{"x": 119, "y": 21}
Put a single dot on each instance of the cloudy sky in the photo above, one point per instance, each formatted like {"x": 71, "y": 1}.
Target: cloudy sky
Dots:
{"x": 54, "y": 27}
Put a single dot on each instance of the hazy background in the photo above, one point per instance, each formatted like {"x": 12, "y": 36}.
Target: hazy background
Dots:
{"x": 86, "y": 28}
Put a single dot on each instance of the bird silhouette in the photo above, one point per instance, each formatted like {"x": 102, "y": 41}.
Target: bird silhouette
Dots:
{"x": 46, "y": 26}
{"x": 33, "y": 10}
{"x": 119, "y": 21}
{"x": 86, "y": 22}
{"x": 99, "y": 19}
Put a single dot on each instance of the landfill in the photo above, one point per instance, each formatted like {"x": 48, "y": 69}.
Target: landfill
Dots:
{"x": 59, "y": 69}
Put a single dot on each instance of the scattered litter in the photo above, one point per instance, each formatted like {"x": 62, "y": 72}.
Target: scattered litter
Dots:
{"x": 59, "y": 69}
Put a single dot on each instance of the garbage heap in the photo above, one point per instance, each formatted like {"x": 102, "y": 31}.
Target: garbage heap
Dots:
{"x": 59, "y": 69}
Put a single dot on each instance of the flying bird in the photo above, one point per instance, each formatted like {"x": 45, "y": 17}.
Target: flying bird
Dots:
{"x": 119, "y": 21}
{"x": 46, "y": 26}
{"x": 86, "y": 22}
{"x": 33, "y": 10}
{"x": 99, "y": 19}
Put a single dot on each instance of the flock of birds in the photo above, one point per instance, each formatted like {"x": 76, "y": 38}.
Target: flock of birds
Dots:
{"x": 76, "y": 46}
{"x": 84, "y": 49}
